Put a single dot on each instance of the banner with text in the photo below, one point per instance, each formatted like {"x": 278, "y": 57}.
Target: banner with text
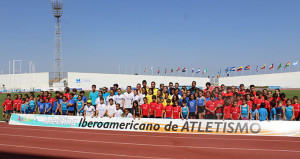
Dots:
{"x": 232, "y": 127}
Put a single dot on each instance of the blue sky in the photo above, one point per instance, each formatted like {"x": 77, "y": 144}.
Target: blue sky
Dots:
{"x": 97, "y": 35}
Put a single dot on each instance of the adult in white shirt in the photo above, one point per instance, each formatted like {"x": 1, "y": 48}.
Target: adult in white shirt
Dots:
{"x": 119, "y": 98}
{"x": 136, "y": 97}
{"x": 89, "y": 110}
{"x": 119, "y": 111}
{"x": 111, "y": 109}
{"x": 111, "y": 96}
{"x": 128, "y": 99}
{"x": 143, "y": 94}
{"x": 101, "y": 109}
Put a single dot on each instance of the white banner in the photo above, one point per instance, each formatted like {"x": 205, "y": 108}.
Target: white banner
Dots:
{"x": 230, "y": 127}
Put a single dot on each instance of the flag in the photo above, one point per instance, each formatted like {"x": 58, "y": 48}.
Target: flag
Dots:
{"x": 145, "y": 69}
{"x": 218, "y": 76}
{"x": 247, "y": 67}
{"x": 295, "y": 63}
{"x": 279, "y": 66}
{"x": 172, "y": 70}
{"x": 204, "y": 71}
{"x": 264, "y": 67}
{"x": 198, "y": 71}
{"x": 165, "y": 70}
{"x": 178, "y": 69}
{"x": 257, "y": 68}
{"x": 158, "y": 71}
{"x": 232, "y": 69}
{"x": 184, "y": 69}
{"x": 287, "y": 65}
{"x": 271, "y": 66}
{"x": 151, "y": 68}
{"x": 193, "y": 71}
{"x": 239, "y": 69}
{"x": 227, "y": 70}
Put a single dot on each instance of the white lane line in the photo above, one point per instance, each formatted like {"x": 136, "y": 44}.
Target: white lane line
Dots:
{"x": 152, "y": 145}
{"x": 72, "y": 151}
{"x": 163, "y": 136}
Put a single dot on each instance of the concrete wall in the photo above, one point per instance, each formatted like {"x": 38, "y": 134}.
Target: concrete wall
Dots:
{"x": 86, "y": 80}
{"x": 284, "y": 80}
{"x": 26, "y": 81}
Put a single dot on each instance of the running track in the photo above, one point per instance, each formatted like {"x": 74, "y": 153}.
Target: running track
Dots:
{"x": 36, "y": 142}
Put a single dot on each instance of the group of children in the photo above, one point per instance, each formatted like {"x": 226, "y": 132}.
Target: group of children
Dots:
{"x": 227, "y": 103}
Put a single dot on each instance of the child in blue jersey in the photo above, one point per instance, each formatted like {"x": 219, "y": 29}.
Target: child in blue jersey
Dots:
{"x": 31, "y": 105}
{"x": 201, "y": 101}
{"x": 192, "y": 104}
{"x": 23, "y": 106}
{"x": 253, "y": 113}
{"x": 184, "y": 97}
{"x": 273, "y": 110}
{"x": 244, "y": 110}
{"x": 288, "y": 111}
{"x": 71, "y": 105}
{"x": 279, "y": 111}
{"x": 184, "y": 110}
{"x": 80, "y": 106}
{"x": 48, "y": 106}
{"x": 56, "y": 106}
{"x": 75, "y": 97}
{"x": 84, "y": 98}
{"x": 208, "y": 96}
{"x": 41, "y": 106}
{"x": 263, "y": 113}
{"x": 64, "y": 106}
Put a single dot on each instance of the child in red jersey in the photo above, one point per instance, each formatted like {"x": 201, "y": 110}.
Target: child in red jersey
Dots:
{"x": 235, "y": 112}
{"x": 248, "y": 100}
{"x": 252, "y": 90}
{"x": 211, "y": 107}
{"x": 220, "y": 105}
{"x": 176, "y": 110}
{"x": 153, "y": 106}
{"x": 296, "y": 106}
{"x": 15, "y": 102}
{"x": 145, "y": 109}
{"x": 283, "y": 98}
{"x": 8, "y": 104}
{"x": 239, "y": 99}
{"x": 226, "y": 110}
{"x": 242, "y": 89}
{"x": 229, "y": 92}
{"x": 259, "y": 99}
{"x": 159, "y": 108}
{"x": 19, "y": 103}
{"x": 168, "y": 111}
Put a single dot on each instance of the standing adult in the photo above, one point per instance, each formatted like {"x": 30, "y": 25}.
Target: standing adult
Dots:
{"x": 93, "y": 95}
{"x": 128, "y": 99}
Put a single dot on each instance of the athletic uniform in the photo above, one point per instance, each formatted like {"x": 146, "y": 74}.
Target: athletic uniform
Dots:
{"x": 288, "y": 112}
{"x": 111, "y": 109}
{"x": 101, "y": 108}
{"x": 273, "y": 114}
{"x": 235, "y": 111}
{"x": 31, "y": 106}
{"x": 23, "y": 108}
{"x": 226, "y": 112}
{"x": 64, "y": 108}
{"x": 80, "y": 104}
{"x": 41, "y": 107}
{"x": 152, "y": 108}
{"x": 55, "y": 105}
{"x": 253, "y": 114}
{"x": 176, "y": 112}
{"x": 192, "y": 107}
{"x": 297, "y": 111}
{"x": 200, "y": 104}
{"x": 263, "y": 113}
{"x": 71, "y": 109}
{"x": 211, "y": 105}
{"x": 219, "y": 109}
{"x": 279, "y": 112}
{"x": 118, "y": 113}
{"x": 168, "y": 111}
{"x": 244, "y": 112}
{"x": 145, "y": 110}
{"x": 48, "y": 107}
{"x": 158, "y": 110}
{"x": 89, "y": 110}
{"x": 184, "y": 112}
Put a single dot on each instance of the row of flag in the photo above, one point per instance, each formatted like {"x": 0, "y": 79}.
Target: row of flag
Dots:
{"x": 177, "y": 70}
{"x": 248, "y": 67}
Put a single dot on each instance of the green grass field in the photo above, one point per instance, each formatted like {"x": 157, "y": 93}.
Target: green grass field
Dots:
{"x": 289, "y": 94}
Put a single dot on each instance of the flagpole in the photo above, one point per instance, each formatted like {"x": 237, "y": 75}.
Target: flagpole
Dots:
{"x": 290, "y": 67}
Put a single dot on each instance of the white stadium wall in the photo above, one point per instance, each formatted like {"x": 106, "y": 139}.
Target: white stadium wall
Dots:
{"x": 86, "y": 80}
{"x": 25, "y": 82}
{"x": 284, "y": 80}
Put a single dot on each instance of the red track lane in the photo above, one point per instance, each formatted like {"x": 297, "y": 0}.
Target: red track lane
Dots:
{"x": 78, "y": 143}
